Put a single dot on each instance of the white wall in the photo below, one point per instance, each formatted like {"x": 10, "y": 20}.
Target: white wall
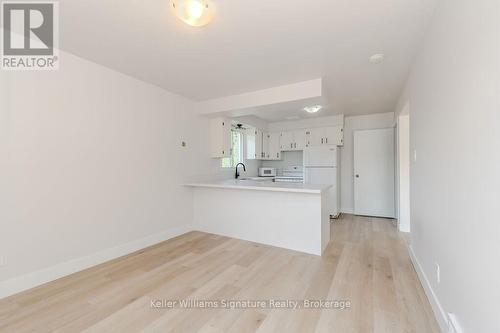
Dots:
{"x": 374, "y": 121}
{"x": 403, "y": 172}
{"x": 306, "y": 123}
{"x": 94, "y": 161}
{"x": 454, "y": 93}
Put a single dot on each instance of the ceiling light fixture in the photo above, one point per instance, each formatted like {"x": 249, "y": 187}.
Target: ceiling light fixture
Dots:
{"x": 377, "y": 58}
{"x": 196, "y": 13}
{"x": 313, "y": 109}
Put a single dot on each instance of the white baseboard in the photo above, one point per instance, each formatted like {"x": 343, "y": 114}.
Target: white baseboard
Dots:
{"x": 34, "y": 279}
{"x": 436, "y": 305}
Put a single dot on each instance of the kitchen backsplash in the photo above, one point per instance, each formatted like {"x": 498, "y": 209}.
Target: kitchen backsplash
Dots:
{"x": 290, "y": 158}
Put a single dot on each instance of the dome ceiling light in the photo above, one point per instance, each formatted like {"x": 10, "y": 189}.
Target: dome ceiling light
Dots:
{"x": 195, "y": 13}
{"x": 377, "y": 58}
{"x": 313, "y": 109}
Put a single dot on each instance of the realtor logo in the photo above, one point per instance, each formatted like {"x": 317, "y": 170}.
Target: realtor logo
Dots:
{"x": 29, "y": 35}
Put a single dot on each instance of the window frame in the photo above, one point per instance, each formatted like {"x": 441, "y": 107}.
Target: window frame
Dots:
{"x": 241, "y": 158}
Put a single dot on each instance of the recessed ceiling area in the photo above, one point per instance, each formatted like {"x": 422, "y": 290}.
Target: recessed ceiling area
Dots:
{"x": 260, "y": 45}
{"x": 281, "y": 103}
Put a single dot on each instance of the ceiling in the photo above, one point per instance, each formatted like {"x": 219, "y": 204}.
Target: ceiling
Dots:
{"x": 254, "y": 45}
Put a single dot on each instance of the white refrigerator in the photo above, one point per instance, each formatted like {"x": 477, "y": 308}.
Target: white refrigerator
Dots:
{"x": 321, "y": 166}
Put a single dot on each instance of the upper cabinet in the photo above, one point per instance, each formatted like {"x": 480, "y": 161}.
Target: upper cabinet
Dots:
{"x": 293, "y": 140}
{"x": 254, "y": 144}
{"x": 262, "y": 145}
{"x": 220, "y": 137}
{"x": 271, "y": 146}
{"x": 333, "y": 135}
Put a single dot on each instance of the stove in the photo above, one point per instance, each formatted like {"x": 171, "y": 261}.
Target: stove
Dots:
{"x": 293, "y": 174}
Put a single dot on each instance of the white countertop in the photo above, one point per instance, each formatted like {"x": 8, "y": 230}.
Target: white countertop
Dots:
{"x": 262, "y": 186}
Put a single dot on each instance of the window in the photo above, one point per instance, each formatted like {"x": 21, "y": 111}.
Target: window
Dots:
{"x": 236, "y": 149}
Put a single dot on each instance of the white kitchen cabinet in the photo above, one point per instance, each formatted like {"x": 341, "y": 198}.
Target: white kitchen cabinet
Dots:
{"x": 220, "y": 137}
{"x": 274, "y": 146}
{"x": 333, "y": 135}
{"x": 293, "y": 140}
{"x": 271, "y": 149}
{"x": 254, "y": 144}
{"x": 299, "y": 138}
{"x": 315, "y": 137}
{"x": 286, "y": 142}
{"x": 265, "y": 146}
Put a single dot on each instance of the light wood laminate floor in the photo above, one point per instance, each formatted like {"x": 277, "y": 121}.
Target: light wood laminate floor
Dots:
{"x": 366, "y": 263}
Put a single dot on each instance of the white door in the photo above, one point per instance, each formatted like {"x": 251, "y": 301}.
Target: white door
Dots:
{"x": 374, "y": 172}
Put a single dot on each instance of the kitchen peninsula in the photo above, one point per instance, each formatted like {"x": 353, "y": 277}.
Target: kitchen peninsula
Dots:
{"x": 292, "y": 216}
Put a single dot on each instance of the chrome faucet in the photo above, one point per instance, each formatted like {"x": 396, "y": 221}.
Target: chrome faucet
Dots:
{"x": 236, "y": 174}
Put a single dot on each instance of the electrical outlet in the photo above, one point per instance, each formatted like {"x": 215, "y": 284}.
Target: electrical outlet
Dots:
{"x": 438, "y": 273}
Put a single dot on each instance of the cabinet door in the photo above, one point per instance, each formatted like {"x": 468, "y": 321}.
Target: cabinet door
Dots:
{"x": 265, "y": 146}
{"x": 254, "y": 144}
{"x": 286, "y": 141}
{"x": 299, "y": 138}
{"x": 220, "y": 138}
{"x": 334, "y": 136}
{"x": 274, "y": 146}
{"x": 258, "y": 144}
{"x": 316, "y": 137}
